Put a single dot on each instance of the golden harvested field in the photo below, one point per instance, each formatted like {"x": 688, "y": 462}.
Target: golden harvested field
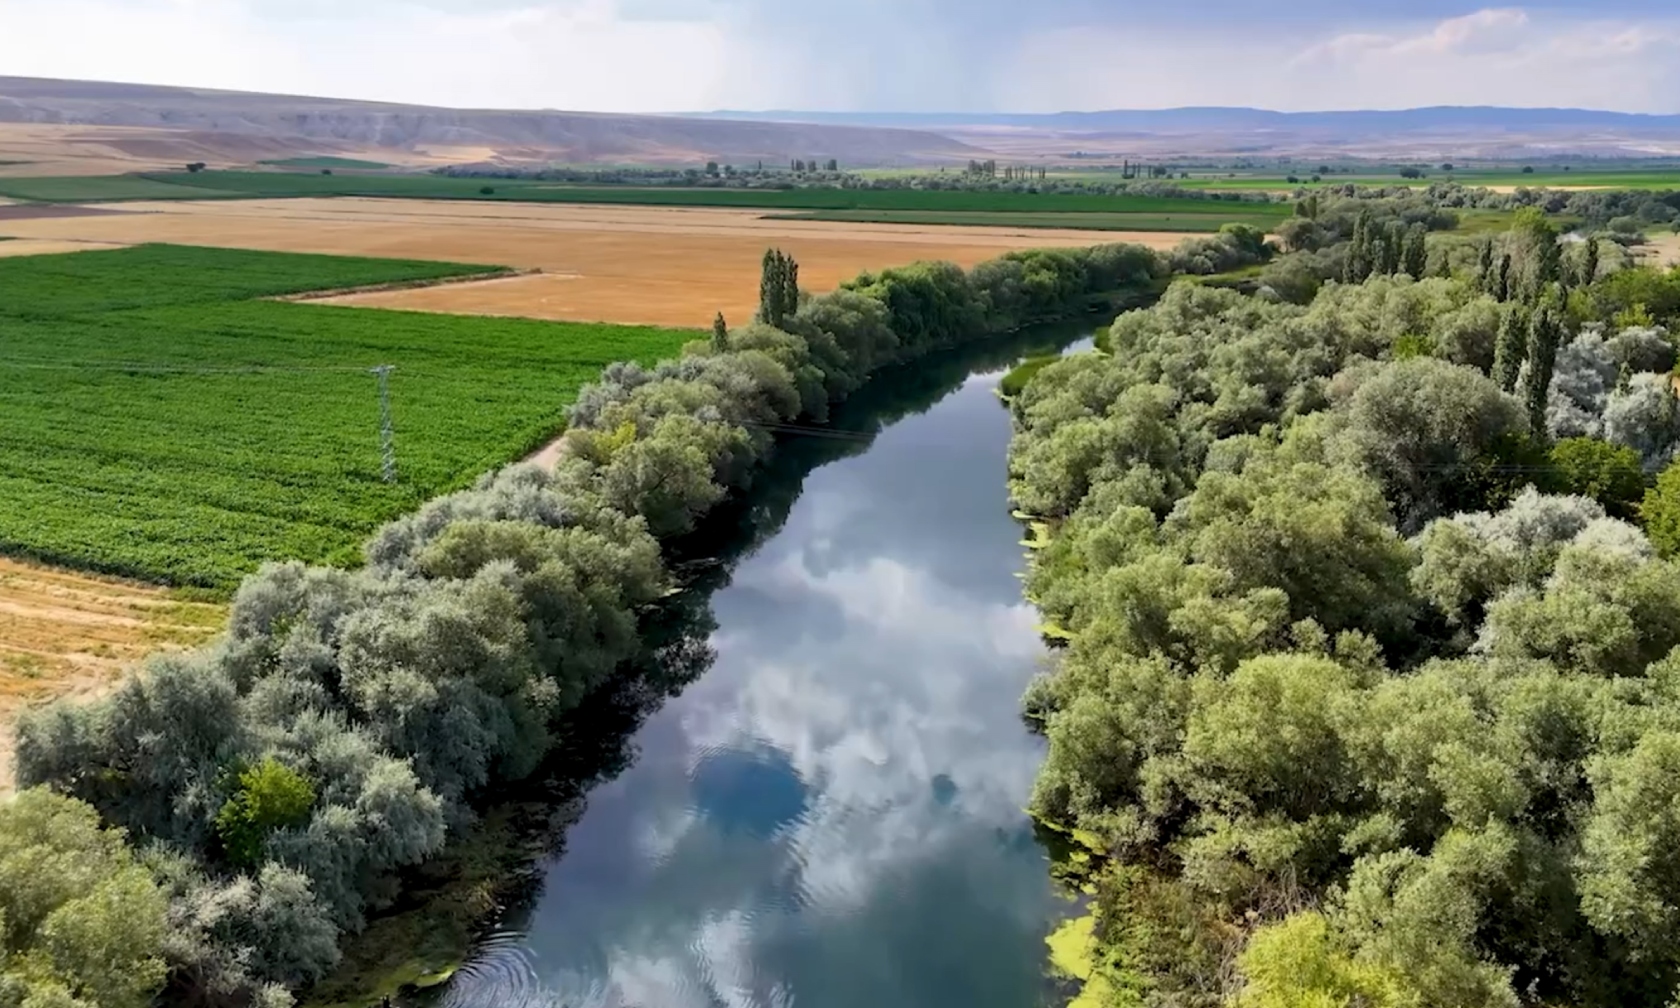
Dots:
{"x": 45, "y": 246}
{"x": 674, "y": 266}
{"x": 67, "y": 634}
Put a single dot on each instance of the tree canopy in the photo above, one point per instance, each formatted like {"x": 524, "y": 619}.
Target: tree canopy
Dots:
{"x": 1368, "y": 687}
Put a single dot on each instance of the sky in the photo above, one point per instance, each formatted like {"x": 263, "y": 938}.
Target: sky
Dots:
{"x": 871, "y": 55}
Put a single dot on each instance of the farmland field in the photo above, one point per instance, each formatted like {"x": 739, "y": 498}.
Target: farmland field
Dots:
{"x": 69, "y": 634}
{"x": 674, "y": 266}
{"x": 349, "y": 164}
{"x": 155, "y": 422}
{"x": 1210, "y": 216}
{"x": 95, "y": 188}
{"x": 291, "y": 184}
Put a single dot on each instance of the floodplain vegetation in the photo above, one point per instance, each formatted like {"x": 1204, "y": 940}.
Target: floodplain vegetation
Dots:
{"x": 273, "y": 786}
{"x": 1367, "y": 694}
{"x": 165, "y": 422}
{"x": 1371, "y": 607}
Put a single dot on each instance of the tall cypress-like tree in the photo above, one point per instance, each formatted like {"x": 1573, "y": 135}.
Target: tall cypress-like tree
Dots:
{"x": 720, "y": 333}
{"x": 790, "y": 287}
{"x": 1358, "y": 266}
{"x": 1502, "y": 288}
{"x": 772, "y": 284}
{"x": 1393, "y": 245}
{"x": 1510, "y": 347}
{"x": 1589, "y": 262}
{"x": 1485, "y": 273}
{"x": 1545, "y": 332}
{"x": 778, "y": 288}
{"x": 1415, "y": 260}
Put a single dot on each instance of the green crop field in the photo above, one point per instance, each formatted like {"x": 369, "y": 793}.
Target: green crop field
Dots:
{"x": 96, "y": 188}
{"x": 1217, "y": 214}
{"x": 349, "y": 164}
{"x": 183, "y": 185}
{"x": 156, "y": 421}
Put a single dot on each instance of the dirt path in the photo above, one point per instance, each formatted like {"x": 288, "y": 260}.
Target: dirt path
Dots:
{"x": 68, "y": 634}
{"x": 673, "y": 266}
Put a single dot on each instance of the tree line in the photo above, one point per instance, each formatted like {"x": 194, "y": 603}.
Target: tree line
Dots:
{"x": 226, "y": 818}
{"x": 1372, "y": 619}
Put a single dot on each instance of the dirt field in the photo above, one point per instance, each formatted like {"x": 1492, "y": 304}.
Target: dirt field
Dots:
{"x": 1663, "y": 249}
{"x": 44, "y": 246}
{"x": 67, "y": 634}
{"x": 655, "y": 265}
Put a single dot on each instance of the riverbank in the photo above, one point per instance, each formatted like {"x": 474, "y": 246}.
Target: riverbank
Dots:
{"x": 448, "y": 661}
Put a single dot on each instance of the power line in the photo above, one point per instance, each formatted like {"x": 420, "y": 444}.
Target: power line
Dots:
{"x": 387, "y": 435}
{"x": 809, "y": 431}
{"x": 151, "y": 368}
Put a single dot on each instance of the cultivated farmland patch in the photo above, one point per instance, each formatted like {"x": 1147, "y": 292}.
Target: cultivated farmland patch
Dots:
{"x": 159, "y": 421}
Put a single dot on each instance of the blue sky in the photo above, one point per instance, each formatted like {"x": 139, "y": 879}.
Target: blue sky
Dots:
{"x": 881, "y": 55}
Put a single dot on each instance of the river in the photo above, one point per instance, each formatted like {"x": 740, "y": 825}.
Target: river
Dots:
{"x": 830, "y": 814}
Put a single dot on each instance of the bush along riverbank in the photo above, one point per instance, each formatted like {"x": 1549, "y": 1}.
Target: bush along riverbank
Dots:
{"x": 276, "y": 783}
{"x": 1370, "y": 687}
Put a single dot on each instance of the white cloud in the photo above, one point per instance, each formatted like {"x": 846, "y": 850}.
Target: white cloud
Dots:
{"x": 578, "y": 55}
{"x": 1495, "y": 56}
{"x": 633, "y": 55}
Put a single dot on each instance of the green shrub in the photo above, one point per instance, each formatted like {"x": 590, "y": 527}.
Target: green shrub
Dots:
{"x": 1609, "y": 474}
{"x": 271, "y": 796}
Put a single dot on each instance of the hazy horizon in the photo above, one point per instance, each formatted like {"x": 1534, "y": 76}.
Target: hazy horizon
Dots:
{"x": 871, "y": 56}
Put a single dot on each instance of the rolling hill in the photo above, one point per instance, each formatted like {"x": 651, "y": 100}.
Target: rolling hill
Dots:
{"x": 148, "y": 123}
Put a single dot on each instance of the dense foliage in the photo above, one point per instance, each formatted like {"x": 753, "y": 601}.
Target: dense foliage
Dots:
{"x": 158, "y": 423}
{"x": 348, "y": 721}
{"x": 82, "y": 925}
{"x": 1369, "y": 690}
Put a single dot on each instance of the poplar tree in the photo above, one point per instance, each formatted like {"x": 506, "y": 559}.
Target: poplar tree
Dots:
{"x": 1502, "y": 289}
{"x": 770, "y": 288}
{"x": 1509, "y": 348}
{"x": 778, "y": 288}
{"x": 1485, "y": 275}
{"x": 790, "y": 287}
{"x": 720, "y": 333}
{"x": 1544, "y": 335}
{"x": 1589, "y": 263}
{"x": 1415, "y": 260}
{"x": 1358, "y": 268}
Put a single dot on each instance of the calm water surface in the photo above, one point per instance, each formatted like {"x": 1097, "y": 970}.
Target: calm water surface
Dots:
{"x": 830, "y": 816}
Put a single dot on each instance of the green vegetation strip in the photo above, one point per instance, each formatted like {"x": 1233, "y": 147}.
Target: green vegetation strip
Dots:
{"x": 229, "y": 184}
{"x": 351, "y": 164}
{"x": 104, "y": 188}
{"x": 1198, "y": 216}
{"x": 159, "y": 422}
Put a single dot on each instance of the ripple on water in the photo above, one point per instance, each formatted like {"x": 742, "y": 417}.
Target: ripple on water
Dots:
{"x": 752, "y": 790}
{"x": 502, "y": 972}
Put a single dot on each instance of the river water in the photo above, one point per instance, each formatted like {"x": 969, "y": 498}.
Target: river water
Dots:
{"x": 830, "y": 815}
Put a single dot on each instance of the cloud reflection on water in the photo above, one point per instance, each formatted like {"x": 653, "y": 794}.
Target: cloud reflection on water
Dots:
{"x": 832, "y": 815}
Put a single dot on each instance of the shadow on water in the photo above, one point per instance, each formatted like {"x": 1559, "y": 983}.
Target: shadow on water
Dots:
{"x": 478, "y": 896}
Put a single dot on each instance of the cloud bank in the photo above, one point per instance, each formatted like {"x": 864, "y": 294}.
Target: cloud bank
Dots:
{"x": 874, "y": 55}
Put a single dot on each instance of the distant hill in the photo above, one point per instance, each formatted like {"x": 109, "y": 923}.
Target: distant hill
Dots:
{"x": 1463, "y": 131}
{"x": 194, "y": 119}
{"x": 1216, "y": 117}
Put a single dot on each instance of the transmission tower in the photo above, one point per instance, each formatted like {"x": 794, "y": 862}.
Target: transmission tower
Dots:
{"x": 387, "y": 435}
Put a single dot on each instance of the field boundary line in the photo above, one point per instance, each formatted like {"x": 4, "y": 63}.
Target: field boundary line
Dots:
{"x": 505, "y": 273}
